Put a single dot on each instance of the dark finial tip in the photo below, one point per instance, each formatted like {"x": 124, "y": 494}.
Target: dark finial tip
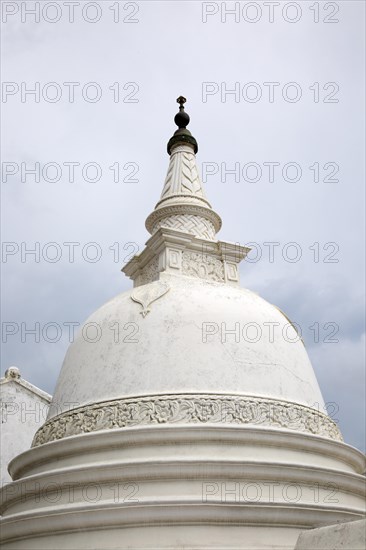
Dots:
{"x": 182, "y": 135}
{"x": 181, "y": 100}
{"x": 182, "y": 118}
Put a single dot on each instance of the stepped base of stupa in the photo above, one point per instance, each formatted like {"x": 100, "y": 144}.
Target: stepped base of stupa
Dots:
{"x": 157, "y": 487}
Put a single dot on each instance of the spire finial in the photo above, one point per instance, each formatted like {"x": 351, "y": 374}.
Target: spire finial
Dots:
{"x": 182, "y": 135}
{"x": 181, "y": 100}
{"x": 182, "y": 118}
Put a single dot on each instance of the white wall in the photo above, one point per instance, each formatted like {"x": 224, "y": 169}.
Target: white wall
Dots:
{"x": 23, "y": 409}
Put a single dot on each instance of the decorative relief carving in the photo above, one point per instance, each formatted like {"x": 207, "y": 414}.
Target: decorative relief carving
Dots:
{"x": 200, "y": 227}
{"x": 150, "y": 272}
{"x": 12, "y": 373}
{"x": 203, "y": 266}
{"x": 182, "y": 176}
{"x": 190, "y": 180}
{"x": 187, "y": 409}
{"x": 186, "y": 209}
{"x": 146, "y": 295}
{"x": 232, "y": 272}
{"x": 174, "y": 258}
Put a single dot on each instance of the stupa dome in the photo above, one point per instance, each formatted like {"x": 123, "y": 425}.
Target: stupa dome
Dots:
{"x": 198, "y": 338}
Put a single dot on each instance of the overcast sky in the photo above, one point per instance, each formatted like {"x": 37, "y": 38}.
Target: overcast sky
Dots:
{"x": 296, "y": 72}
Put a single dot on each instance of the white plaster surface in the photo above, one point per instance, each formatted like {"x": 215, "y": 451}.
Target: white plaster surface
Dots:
{"x": 163, "y": 487}
{"x": 341, "y": 536}
{"x": 165, "y": 352}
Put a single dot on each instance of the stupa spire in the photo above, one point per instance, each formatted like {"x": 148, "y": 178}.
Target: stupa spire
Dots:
{"x": 183, "y": 204}
{"x": 183, "y": 225}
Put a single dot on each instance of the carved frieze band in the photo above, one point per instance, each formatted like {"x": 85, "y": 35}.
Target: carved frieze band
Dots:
{"x": 198, "y": 226}
{"x": 187, "y": 409}
{"x": 185, "y": 207}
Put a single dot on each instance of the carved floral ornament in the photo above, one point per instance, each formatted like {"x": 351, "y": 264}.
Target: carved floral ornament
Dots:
{"x": 203, "y": 266}
{"x": 187, "y": 409}
{"x": 188, "y": 263}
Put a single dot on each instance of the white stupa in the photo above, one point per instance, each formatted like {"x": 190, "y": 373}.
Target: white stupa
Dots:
{"x": 198, "y": 420}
